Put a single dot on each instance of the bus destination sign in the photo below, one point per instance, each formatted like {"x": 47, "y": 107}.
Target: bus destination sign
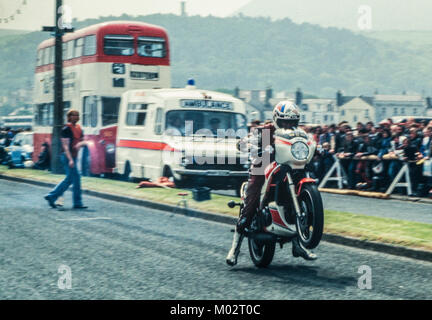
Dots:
{"x": 144, "y": 75}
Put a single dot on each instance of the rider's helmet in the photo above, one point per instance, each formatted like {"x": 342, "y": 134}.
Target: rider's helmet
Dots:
{"x": 286, "y": 115}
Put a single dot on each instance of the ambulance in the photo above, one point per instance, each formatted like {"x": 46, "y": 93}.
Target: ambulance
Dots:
{"x": 188, "y": 135}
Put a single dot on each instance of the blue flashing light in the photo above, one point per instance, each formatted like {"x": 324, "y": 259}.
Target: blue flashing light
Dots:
{"x": 191, "y": 82}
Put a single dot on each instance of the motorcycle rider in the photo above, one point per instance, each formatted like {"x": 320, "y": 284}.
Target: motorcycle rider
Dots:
{"x": 286, "y": 115}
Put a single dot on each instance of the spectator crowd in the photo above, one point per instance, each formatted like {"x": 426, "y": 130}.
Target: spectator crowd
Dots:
{"x": 373, "y": 154}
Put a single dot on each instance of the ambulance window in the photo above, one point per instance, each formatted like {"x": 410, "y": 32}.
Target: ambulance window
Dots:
{"x": 110, "y": 109}
{"x": 136, "y": 114}
{"x": 158, "y": 122}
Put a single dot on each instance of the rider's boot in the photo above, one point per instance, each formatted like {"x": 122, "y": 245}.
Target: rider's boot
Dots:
{"x": 298, "y": 250}
{"x": 231, "y": 258}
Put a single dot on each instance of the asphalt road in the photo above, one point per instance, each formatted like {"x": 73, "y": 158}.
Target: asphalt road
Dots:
{"x": 120, "y": 251}
{"x": 391, "y": 208}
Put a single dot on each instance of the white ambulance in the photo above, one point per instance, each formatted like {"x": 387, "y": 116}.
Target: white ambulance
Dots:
{"x": 186, "y": 134}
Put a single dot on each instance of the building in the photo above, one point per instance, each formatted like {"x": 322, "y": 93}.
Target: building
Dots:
{"x": 317, "y": 110}
{"x": 259, "y": 104}
{"x": 355, "y": 109}
{"x": 387, "y": 106}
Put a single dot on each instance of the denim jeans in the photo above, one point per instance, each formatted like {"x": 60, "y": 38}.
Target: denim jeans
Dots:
{"x": 72, "y": 177}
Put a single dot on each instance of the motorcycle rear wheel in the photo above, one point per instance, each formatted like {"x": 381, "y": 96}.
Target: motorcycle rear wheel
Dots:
{"x": 310, "y": 227}
{"x": 261, "y": 254}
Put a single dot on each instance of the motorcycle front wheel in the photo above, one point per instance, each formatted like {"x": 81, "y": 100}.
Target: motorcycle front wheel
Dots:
{"x": 310, "y": 224}
{"x": 261, "y": 254}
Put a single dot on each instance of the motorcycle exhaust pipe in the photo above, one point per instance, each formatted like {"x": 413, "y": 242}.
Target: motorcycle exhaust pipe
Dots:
{"x": 262, "y": 237}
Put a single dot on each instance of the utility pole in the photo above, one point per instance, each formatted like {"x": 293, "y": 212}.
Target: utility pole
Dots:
{"x": 58, "y": 30}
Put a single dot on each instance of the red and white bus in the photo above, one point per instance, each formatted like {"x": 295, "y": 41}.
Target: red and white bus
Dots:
{"x": 100, "y": 62}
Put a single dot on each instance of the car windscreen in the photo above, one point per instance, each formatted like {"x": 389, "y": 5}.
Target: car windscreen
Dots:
{"x": 208, "y": 123}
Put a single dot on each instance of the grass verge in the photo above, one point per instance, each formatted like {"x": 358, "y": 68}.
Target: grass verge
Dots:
{"x": 384, "y": 230}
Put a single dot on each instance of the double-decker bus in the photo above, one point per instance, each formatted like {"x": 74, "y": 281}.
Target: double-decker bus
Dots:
{"x": 100, "y": 62}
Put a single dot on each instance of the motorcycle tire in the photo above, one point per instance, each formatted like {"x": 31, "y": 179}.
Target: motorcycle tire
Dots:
{"x": 310, "y": 227}
{"x": 261, "y": 254}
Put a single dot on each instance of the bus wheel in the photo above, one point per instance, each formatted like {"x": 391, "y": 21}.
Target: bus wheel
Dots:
{"x": 127, "y": 172}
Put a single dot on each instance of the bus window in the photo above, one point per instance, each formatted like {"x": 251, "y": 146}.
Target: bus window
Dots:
{"x": 88, "y": 103}
{"x": 38, "y": 115}
{"x": 46, "y": 56}
{"x": 94, "y": 114}
{"x": 49, "y": 117}
{"x": 136, "y": 114}
{"x": 158, "y": 122}
{"x": 43, "y": 113}
{"x": 79, "y": 46}
{"x": 119, "y": 45}
{"x": 151, "y": 47}
{"x": 51, "y": 54}
{"x": 89, "y": 45}
{"x": 64, "y": 48}
{"x": 110, "y": 109}
{"x": 39, "y": 58}
{"x": 70, "y": 49}
{"x": 66, "y": 107}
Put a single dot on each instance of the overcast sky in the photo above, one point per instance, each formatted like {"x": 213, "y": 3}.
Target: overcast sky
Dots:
{"x": 41, "y": 12}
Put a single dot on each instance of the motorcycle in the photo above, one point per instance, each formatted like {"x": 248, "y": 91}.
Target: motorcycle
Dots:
{"x": 290, "y": 203}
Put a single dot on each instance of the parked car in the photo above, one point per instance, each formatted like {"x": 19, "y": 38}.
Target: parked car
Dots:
{"x": 20, "y": 150}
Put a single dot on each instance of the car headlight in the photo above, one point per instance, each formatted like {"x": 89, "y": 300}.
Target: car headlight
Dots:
{"x": 110, "y": 148}
{"x": 247, "y": 164}
{"x": 185, "y": 161}
{"x": 300, "y": 150}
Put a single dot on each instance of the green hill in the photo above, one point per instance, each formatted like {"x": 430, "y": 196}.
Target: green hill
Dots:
{"x": 257, "y": 52}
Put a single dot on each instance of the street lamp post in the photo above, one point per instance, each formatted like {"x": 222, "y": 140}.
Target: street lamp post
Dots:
{"x": 58, "y": 31}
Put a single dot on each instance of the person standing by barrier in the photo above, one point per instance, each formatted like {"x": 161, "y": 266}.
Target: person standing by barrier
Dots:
{"x": 72, "y": 141}
{"x": 425, "y": 159}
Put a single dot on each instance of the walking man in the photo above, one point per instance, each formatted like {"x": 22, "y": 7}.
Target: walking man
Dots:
{"x": 72, "y": 141}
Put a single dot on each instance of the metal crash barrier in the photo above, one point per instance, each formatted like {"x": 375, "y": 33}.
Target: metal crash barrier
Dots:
{"x": 340, "y": 177}
{"x": 337, "y": 173}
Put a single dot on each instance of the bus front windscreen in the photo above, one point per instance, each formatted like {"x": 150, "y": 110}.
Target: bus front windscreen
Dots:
{"x": 118, "y": 45}
{"x": 151, "y": 47}
{"x": 208, "y": 123}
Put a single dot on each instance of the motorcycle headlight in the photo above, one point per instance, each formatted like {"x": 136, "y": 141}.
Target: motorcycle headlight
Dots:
{"x": 300, "y": 150}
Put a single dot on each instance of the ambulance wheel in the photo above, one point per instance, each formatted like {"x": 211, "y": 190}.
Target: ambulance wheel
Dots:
{"x": 168, "y": 173}
{"x": 127, "y": 172}
{"x": 238, "y": 190}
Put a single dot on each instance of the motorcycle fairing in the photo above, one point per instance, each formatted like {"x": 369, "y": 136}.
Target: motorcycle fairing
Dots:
{"x": 303, "y": 181}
